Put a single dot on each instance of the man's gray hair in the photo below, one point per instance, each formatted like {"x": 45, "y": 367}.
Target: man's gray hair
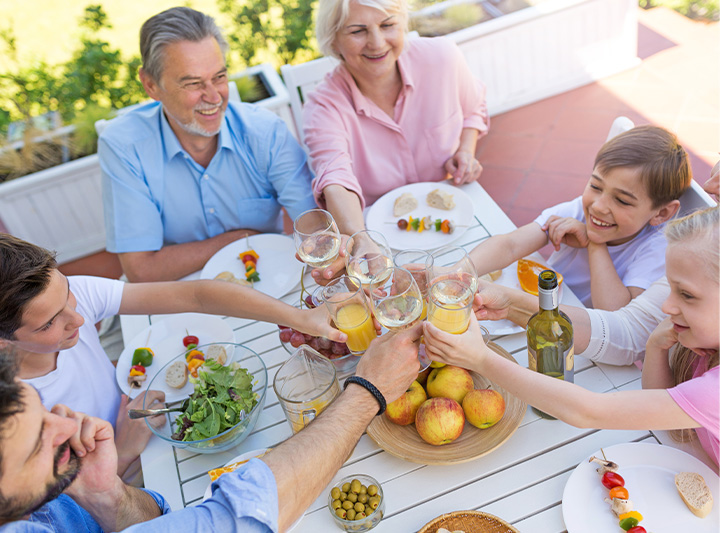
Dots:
{"x": 170, "y": 26}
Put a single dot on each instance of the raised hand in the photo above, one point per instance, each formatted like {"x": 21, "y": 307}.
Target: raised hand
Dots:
{"x": 491, "y": 301}
{"x": 464, "y": 350}
{"x": 567, "y": 230}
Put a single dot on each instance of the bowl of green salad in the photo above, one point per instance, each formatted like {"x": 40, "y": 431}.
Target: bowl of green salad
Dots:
{"x": 228, "y": 395}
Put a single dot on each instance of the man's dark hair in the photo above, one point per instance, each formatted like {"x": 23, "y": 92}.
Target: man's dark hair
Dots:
{"x": 25, "y": 271}
{"x": 11, "y": 402}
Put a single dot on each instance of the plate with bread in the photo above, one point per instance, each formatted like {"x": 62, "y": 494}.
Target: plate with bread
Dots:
{"x": 672, "y": 490}
{"x": 430, "y": 214}
{"x": 165, "y": 340}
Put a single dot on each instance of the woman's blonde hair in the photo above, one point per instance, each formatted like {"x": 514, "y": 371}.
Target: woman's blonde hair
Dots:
{"x": 332, "y": 14}
{"x": 703, "y": 229}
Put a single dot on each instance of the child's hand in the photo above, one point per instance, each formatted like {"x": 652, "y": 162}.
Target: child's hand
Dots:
{"x": 465, "y": 350}
{"x": 490, "y": 302}
{"x": 316, "y": 322}
{"x": 569, "y": 231}
{"x": 664, "y": 337}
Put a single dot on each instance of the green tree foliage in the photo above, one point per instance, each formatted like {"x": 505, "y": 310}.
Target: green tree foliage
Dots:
{"x": 695, "y": 9}
{"x": 281, "y": 28}
{"x": 95, "y": 75}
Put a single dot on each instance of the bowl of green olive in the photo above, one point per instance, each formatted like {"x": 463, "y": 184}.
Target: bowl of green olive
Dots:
{"x": 356, "y": 503}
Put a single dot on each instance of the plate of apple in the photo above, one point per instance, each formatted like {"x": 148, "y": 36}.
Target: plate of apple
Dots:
{"x": 448, "y": 415}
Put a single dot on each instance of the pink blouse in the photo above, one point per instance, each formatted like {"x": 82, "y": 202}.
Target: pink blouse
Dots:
{"x": 355, "y": 144}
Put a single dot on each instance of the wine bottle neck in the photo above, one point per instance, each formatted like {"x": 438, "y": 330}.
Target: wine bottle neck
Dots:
{"x": 549, "y": 299}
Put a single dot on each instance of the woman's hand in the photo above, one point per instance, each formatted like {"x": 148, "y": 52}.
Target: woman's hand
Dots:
{"x": 131, "y": 436}
{"x": 463, "y": 167}
{"x": 322, "y": 276}
{"x": 466, "y": 350}
{"x": 566, "y": 230}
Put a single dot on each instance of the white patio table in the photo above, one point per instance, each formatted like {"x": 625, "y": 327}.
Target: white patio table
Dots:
{"x": 521, "y": 482}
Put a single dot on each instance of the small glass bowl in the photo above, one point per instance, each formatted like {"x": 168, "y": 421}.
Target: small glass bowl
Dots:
{"x": 367, "y": 523}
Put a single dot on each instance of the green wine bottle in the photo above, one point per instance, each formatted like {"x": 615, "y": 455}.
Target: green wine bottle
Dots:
{"x": 550, "y": 334}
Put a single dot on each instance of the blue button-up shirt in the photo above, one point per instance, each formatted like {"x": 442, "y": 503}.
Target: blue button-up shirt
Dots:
{"x": 244, "y": 501}
{"x": 154, "y": 193}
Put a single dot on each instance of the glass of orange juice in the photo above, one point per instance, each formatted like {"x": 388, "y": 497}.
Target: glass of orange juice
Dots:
{"x": 450, "y": 305}
{"x": 349, "y": 309}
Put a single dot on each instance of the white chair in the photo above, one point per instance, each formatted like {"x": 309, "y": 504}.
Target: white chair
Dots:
{"x": 300, "y": 80}
{"x": 694, "y": 198}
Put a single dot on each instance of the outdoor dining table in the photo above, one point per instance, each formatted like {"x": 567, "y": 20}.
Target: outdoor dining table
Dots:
{"x": 521, "y": 481}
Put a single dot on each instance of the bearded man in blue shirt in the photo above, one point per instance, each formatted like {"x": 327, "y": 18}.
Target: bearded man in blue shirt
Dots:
{"x": 190, "y": 173}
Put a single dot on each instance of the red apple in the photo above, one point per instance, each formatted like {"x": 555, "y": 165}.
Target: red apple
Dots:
{"x": 449, "y": 382}
{"x": 483, "y": 407}
{"x": 422, "y": 376}
{"x": 439, "y": 421}
{"x": 402, "y": 411}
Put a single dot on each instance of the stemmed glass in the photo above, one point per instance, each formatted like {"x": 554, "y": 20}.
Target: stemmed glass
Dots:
{"x": 398, "y": 302}
{"x": 317, "y": 238}
{"x": 419, "y": 263}
{"x": 367, "y": 256}
{"x": 453, "y": 262}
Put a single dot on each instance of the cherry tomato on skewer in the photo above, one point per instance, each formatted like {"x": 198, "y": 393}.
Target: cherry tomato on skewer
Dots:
{"x": 611, "y": 479}
{"x": 190, "y": 339}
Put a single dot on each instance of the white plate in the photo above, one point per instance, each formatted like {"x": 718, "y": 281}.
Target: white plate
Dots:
{"x": 649, "y": 472}
{"x": 508, "y": 278}
{"x": 165, "y": 340}
{"x": 380, "y": 217}
{"x": 279, "y": 270}
{"x": 246, "y": 457}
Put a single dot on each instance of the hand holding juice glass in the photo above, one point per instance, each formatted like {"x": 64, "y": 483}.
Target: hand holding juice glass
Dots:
{"x": 349, "y": 309}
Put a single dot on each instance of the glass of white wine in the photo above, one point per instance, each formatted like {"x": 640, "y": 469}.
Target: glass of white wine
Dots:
{"x": 453, "y": 262}
{"x": 317, "y": 239}
{"x": 367, "y": 256}
{"x": 398, "y": 303}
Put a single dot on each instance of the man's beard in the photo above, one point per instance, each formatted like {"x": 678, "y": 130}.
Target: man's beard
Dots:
{"x": 16, "y": 508}
{"x": 193, "y": 127}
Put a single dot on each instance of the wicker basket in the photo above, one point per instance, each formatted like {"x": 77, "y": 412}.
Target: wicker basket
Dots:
{"x": 469, "y": 522}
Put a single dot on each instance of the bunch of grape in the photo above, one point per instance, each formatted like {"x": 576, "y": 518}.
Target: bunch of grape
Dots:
{"x": 328, "y": 348}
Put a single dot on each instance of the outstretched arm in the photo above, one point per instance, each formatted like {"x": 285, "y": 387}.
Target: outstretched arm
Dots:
{"x": 645, "y": 409}
{"x": 175, "y": 261}
{"x": 312, "y": 457}
{"x": 499, "y": 251}
{"x": 223, "y": 298}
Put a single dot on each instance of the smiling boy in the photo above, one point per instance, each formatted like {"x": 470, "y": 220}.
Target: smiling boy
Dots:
{"x": 609, "y": 242}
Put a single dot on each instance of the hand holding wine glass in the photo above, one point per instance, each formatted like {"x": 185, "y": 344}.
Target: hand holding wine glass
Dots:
{"x": 397, "y": 301}
{"x": 367, "y": 256}
{"x": 317, "y": 238}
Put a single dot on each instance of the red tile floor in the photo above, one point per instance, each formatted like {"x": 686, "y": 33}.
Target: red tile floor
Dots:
{"x": 542, "y": 154}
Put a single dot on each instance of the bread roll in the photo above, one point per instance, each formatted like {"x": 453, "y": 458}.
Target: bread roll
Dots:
{"x": 216, "y": 352}
{"x": 229, "y": 276}
{"x": 695, "y": 493}
{"x": 176, "y": 375}
{"x": 404, "y": 204}
{"x": 440, "y": 199}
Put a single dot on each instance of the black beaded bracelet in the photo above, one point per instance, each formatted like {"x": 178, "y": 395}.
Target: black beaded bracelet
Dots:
{"x": 372, "y": 389}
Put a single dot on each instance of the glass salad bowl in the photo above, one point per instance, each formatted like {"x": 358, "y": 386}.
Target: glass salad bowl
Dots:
{"x": 223, "y": 403}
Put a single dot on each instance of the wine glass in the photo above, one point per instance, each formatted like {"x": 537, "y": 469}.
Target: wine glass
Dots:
{"x": 367, "y": 256}
{"x": 348, "y": 306}
{"x": 397, "y": 301}
{"x": 398, "y": 304}
{"x": 317, "y": 238}
{"x": 453, "y": 262}
{"x": 419, "y": 263}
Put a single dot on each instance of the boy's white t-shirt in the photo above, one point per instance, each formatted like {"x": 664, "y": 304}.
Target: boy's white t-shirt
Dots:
{"x": 638, "y": 262}
{"x": 84, "y": 379}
